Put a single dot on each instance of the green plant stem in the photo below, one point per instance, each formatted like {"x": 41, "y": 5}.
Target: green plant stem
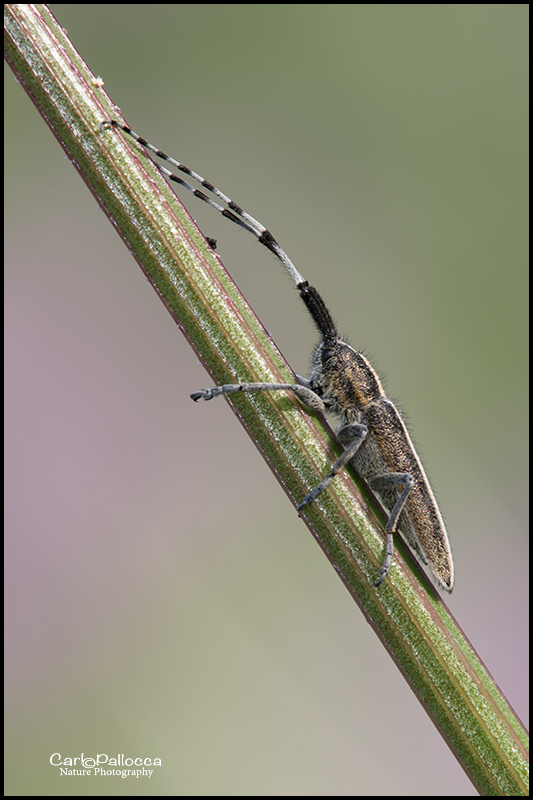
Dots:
{"x": 410, "y": 619}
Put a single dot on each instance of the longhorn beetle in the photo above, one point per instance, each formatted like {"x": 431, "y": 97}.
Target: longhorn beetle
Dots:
{"x": 343, "y": 382}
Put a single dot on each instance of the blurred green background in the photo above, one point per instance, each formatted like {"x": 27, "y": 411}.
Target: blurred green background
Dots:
{"x": 164, "y": 599}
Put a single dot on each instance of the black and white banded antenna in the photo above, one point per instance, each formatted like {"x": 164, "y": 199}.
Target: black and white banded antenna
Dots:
{"x": 233, "y": 211}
